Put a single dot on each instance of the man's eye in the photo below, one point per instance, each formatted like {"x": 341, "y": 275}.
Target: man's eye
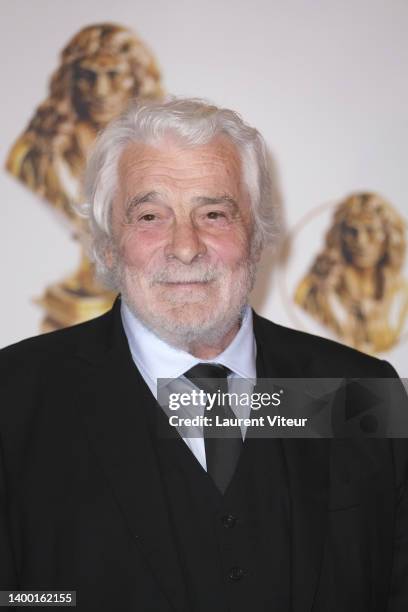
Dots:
{"x": 214, "y": 214}
{"x": 148, "y": 217}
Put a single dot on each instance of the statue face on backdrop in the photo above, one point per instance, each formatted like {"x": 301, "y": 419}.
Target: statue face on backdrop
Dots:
{"x": 108, "y": 70}
{"x": 102, "y": 86}
{"x": 109, "y": 67}
{"x": 182, "y": 229}
{"x": 363, "y": 239}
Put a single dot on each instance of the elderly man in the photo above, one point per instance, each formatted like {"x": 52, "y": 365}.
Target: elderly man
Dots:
{"x": 97, "y": 498}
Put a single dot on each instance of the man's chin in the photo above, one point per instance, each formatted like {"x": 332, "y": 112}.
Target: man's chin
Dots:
{"x": 187, "y": 317}
{"x": 184, "y": 334}
{"x": 183, "y": 325}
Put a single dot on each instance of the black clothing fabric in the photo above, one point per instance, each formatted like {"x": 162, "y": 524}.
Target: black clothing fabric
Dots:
{"x": 92, "y": 500}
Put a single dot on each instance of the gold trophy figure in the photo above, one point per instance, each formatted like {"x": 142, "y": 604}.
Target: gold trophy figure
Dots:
{"x": 355, "y": 285}
{"x": 101, "y": 69}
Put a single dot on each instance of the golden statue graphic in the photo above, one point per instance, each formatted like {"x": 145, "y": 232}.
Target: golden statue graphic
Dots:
{"x": 355, "y": 285}
{"x": 102, "y": 68}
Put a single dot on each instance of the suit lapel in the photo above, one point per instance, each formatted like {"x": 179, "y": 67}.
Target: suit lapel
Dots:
{"x": 114, "y": 401}
{"x": 307, "y": 462}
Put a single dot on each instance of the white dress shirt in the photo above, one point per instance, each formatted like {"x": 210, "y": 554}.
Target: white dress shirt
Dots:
{"x": 156, "y": 359}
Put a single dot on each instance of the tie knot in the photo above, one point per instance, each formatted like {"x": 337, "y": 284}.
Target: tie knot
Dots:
{"x": 207, "y": 370}
{"x": 210, "y": 377}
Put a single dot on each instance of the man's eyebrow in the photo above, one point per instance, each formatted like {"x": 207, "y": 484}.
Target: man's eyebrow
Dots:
{"x": 140, "y": 198}
{"x": 219, "y": 199}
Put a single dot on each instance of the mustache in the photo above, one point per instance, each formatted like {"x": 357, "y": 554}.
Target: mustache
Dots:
{"x": 198, "y": 273}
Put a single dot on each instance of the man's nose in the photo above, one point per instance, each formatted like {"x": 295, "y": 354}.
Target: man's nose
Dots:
{"x": 185, "y": 243}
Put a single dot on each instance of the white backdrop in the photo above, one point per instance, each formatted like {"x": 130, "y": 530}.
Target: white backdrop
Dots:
{"x": 326, "y": 82}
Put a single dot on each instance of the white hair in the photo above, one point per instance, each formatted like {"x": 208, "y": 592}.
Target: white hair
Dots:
{"x": 195, "y": 122}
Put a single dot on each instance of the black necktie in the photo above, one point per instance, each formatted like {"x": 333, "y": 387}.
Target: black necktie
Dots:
{"x": 222, "y": 453}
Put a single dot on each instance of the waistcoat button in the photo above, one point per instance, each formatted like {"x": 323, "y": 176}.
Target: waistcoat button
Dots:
{"x": 228, "y": 521}
{"x": 236, "y": 573}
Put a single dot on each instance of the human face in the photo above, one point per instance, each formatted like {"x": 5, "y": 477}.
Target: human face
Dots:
{"x": 182, "y": 228}
{"x": 364, "y": 240}
{"x": 103, "y": 85}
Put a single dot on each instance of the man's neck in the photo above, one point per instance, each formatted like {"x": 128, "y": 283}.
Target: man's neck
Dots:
{"x": 210, "y": 351}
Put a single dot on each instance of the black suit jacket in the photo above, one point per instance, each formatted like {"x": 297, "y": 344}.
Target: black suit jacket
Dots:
{"x": 81, "y": 502}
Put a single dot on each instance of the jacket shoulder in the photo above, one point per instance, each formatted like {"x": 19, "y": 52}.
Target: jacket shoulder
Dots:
{"x": 323, "y": 357}
{"x": 55, "y": 345}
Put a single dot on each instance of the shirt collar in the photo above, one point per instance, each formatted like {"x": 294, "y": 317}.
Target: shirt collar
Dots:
{"x": 157, "y": 359}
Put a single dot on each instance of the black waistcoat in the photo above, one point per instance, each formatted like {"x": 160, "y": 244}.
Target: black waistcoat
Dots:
{"x": 234, "y": 548}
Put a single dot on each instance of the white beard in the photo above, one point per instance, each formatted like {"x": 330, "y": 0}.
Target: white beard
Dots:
{"x": 169, "y": 320}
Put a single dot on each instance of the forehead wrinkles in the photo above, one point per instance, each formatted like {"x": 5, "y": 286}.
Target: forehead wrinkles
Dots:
{"x": 179, "y": 164}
